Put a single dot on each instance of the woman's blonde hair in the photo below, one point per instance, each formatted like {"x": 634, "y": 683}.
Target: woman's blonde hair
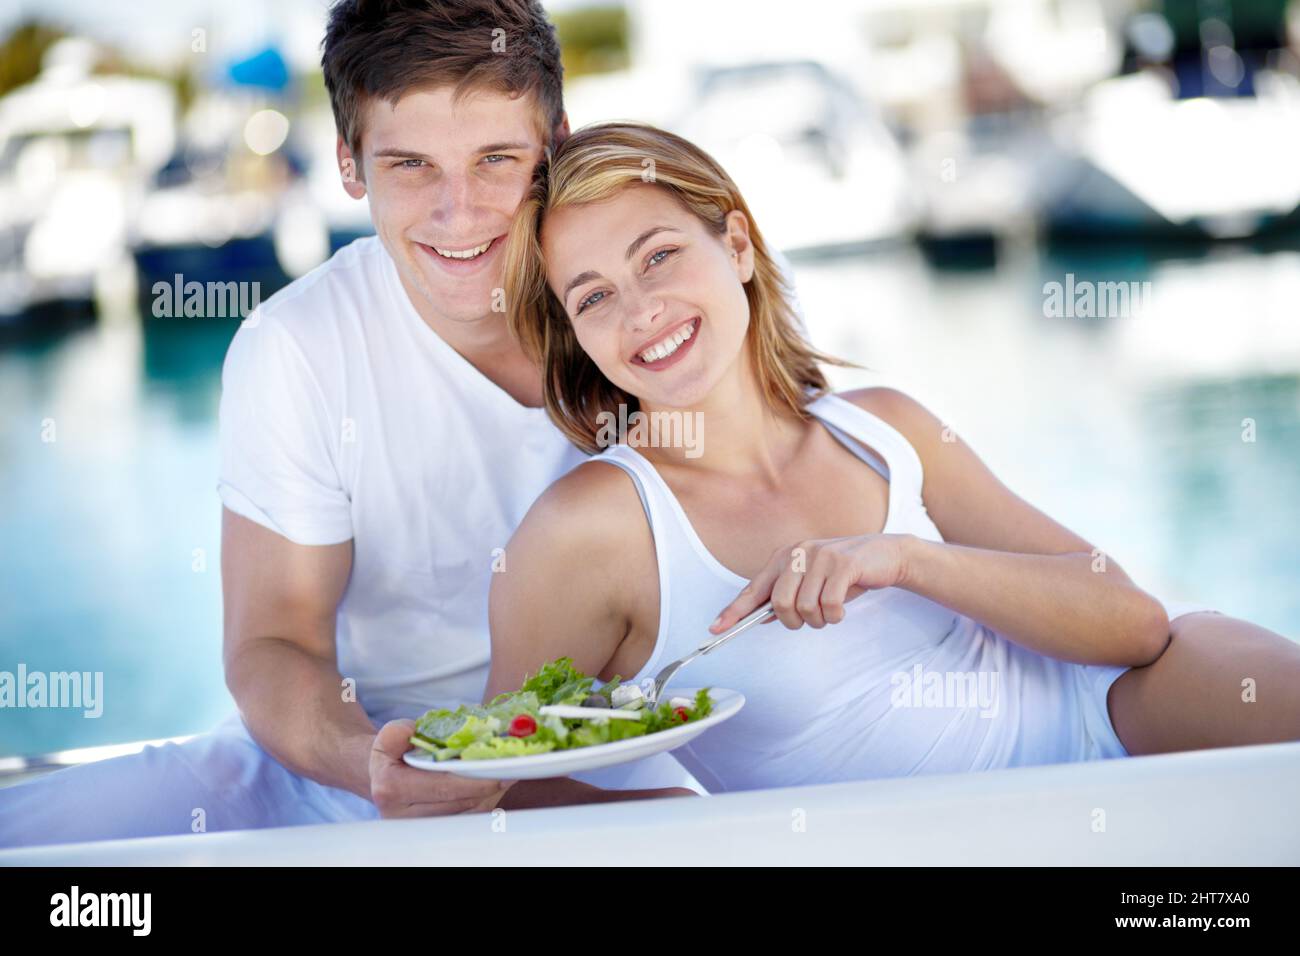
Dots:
{"x": 591, "y": 166}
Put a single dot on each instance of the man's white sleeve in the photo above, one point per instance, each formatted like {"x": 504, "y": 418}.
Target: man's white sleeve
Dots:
{"x": 278, "y": 443}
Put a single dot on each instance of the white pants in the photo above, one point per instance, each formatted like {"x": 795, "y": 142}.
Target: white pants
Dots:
{"x": 221, "y": 780}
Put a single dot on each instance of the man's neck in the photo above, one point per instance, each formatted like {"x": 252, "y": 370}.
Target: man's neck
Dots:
{"x": 486, "y": 343}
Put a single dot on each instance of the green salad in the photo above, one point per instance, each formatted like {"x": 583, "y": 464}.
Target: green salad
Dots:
{"x": 526, "y": 721}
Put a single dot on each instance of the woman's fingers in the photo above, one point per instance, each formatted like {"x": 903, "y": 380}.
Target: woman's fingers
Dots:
{"x": 807, "y": 584}
{"x": 835, "y": 592}
{"x": 752, "y": 596}
{"x": 784, "y": 594}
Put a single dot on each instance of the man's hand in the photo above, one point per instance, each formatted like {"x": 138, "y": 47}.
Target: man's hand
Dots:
{"x": 565, "y": 791}
{"x": 399, "y": 790}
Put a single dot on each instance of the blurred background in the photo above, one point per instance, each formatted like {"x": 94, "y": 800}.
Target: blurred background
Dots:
{"x": 1069, "y": 227}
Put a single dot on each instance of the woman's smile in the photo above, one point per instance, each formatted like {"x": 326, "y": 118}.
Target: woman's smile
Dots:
{"x": 667, "y": 348}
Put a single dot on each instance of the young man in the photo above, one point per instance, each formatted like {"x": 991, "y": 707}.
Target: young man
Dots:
{"x": 381, "y": 437}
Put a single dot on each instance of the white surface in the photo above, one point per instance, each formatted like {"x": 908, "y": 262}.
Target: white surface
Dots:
{"x": 561, "y": 763}
{"x": 1220, "y": 807}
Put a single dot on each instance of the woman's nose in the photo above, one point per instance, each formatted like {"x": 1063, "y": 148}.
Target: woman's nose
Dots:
{"x": 644, "y": 309}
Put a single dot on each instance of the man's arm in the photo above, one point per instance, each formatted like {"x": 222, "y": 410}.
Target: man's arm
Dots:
{"x": 280, "y": 602}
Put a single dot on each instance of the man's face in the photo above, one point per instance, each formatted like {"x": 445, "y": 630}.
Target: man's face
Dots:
{"x": 444, "y": 180}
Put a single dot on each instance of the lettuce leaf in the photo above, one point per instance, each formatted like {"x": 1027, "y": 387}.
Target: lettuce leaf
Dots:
{"x": 474, "y": 729}
{"x": 593, "y": 732}
{"x": 494, "y": 748}
{"x": 559, "y": 683}
{"x": 474, "y": 732}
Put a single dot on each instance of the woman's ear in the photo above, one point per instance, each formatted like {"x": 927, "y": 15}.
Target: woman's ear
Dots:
{"x": 349, "y": 170}
{"x": 740, "y": 245}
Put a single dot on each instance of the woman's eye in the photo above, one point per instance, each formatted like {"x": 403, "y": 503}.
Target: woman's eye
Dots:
{"x": 487, "y": 159}
{"x": 660, "y": 256}
{"x": 590, "y": 300}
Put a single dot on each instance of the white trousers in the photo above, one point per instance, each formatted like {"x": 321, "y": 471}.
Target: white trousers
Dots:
{"x": 220, "y": 780}
{"x": 223, "y": 780}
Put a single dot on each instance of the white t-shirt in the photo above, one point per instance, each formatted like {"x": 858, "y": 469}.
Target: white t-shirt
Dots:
{"x": 345, "y": 416}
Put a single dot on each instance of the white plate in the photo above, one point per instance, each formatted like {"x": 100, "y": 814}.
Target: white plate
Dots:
{"x": 561, "y": 763}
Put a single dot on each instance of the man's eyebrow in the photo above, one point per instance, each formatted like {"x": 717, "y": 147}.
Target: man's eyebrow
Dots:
{"x": 403, "y": 153}
{"x": 631, "y": 251}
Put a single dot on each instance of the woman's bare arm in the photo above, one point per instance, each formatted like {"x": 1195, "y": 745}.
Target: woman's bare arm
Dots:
{"x": 1008, "y": 564}
{"x": 574, "y": 579}
{"x": 574, "y": 585}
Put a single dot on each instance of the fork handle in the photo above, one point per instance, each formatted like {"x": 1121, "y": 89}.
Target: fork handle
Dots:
{"x": 744, "y": 624}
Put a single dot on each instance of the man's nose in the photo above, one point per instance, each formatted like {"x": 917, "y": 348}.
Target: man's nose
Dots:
{"x": 456, "y": 201}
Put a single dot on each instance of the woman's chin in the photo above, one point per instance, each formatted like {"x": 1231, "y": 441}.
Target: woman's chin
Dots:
{"x": 687, "y": 395}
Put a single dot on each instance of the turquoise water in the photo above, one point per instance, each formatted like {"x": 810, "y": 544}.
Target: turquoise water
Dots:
{"x": 1127, "y": 430}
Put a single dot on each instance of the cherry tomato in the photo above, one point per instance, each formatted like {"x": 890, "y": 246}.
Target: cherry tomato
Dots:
{"x": 522, "y": 726}
{"x": 681, "y": 712}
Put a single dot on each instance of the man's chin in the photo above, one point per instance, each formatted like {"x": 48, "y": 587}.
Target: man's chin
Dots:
{"x": 462, "y": 302}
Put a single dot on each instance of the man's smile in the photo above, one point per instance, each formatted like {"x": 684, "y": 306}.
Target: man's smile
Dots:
{"x": 463, "y": 260}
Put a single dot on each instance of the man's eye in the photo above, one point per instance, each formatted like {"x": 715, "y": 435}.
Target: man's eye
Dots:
{"x": 589, "y": 300}
{"x": 488, "y": 159}
{"x": 411, "y": 163}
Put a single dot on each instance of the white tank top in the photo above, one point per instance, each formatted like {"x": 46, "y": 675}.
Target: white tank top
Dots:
{"x": 901, "y": 686}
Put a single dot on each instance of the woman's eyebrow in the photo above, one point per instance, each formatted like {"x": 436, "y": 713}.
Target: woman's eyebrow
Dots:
{"x": 639, "y": 240}
{"x": 578, "y": 280}
{"x": 631, "y": 251}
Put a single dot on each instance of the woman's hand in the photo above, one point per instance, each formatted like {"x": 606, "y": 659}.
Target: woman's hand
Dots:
{"x": 810, "y": 582}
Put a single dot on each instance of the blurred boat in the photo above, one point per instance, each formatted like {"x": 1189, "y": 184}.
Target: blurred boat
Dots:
{"x": 1136, "y": 159}
{"x": 76, "y": 152}
{"x": 250, "y": 197}
{"x": 818, "y": 168}
{"x": 209, "y": 217}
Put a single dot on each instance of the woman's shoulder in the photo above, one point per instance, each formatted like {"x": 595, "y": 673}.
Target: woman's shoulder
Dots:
{"x": 899, "y": 410}
{"x": 887, "y": 403}
{"x": 591, "y": 508}
{"x": 921, "y": 428}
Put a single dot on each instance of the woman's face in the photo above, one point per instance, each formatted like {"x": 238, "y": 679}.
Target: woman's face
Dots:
{"x": 657, "y": 300}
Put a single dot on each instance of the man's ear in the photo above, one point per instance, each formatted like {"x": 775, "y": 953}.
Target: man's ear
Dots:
{"x": 561, "y": 132}
{"x": 740, "y": 245}
{"x": 349, "y": 170}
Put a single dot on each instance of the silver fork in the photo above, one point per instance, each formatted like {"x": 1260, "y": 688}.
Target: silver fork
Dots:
{"x": 661, "y": 680}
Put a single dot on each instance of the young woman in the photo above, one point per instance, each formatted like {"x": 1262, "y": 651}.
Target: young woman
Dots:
{"x": 637, "y": 278}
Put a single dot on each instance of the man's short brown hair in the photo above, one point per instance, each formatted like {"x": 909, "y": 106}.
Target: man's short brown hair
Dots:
{"x": 385, "y": 48}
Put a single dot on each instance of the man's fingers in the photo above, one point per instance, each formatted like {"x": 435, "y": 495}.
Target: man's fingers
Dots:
{"x": 399, "y": 785}
{"x": 408, "y": 810}
{"x": 394, "y": 739}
